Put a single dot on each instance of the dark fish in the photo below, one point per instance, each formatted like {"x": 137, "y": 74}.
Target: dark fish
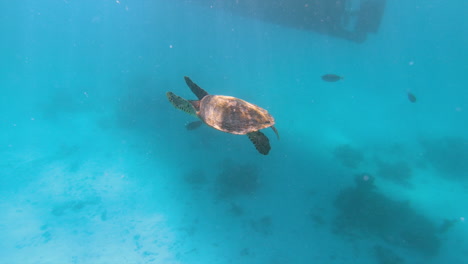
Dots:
{"x": 331, "y": 77}
{"x": 411, "y": 97}
{"x": 193, "y": 125}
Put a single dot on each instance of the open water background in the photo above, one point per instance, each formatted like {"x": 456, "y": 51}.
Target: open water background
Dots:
{"x": 97, "y": 166}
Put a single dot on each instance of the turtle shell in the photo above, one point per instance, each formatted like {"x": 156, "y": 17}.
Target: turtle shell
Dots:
{"x": 233, "y": 115}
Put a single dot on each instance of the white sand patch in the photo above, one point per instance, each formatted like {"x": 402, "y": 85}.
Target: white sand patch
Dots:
{"x": 75, "y": 218}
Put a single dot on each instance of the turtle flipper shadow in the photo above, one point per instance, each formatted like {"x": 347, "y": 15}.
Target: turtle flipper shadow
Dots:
{"x": 181, "y": 104}
{"x": 261, "y": 142}
{"x": 199, "y": 92}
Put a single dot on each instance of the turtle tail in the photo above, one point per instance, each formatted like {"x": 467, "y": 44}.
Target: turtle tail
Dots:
{"x": 181, "y": 104}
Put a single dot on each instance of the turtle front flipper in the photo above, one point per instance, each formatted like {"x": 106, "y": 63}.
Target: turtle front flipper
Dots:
{"x": 199, "y": 92}
{"x": 261, "y": 142}
{"x": 181, "y": 104}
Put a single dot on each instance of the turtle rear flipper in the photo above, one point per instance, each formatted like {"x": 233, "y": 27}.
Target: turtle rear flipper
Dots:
{"x": 181, "y": 104}
{"x": 193, "y": 125}
{"x": 199, "y": 92}
{"x": 261, "y": 142}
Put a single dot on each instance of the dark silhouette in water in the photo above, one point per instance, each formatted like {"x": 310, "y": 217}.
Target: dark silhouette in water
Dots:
{"x": 331, "y": 77}
{"x": 411, "y": 97}
{"x": 193, "y": 125}
{"x": 364, "y": 211}
{"x": 347, "y": 19}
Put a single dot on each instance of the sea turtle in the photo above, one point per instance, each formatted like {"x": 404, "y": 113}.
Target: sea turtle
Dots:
{"x": 227, "y": 114}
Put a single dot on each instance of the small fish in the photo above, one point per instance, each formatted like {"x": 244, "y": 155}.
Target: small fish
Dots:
{"x": 411, "y": 97}
{"x": 331, "y": 77}
{"x": 193, "y": 125}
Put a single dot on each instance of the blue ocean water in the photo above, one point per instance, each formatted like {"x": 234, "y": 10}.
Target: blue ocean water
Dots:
{"x": 98, "y": 167}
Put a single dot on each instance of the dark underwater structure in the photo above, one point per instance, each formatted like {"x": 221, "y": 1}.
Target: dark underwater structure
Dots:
{"x": 348, "y": 19}
{"x": 365, "y": 212}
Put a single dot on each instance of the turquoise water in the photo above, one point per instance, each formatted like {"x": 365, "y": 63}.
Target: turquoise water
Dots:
{"x": 98, "y": 167}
